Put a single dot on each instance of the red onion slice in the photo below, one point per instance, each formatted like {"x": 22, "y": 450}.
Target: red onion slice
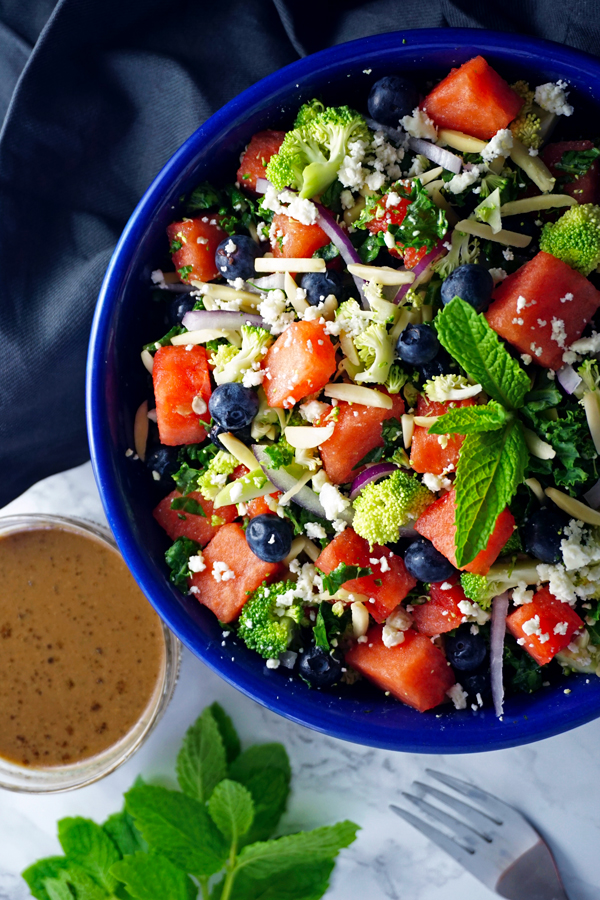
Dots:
{"x": 262, "y": 185}
{"x": 592, "y": 497}
{"x": 568, "y": 379}
{"x": 499, "y": 613}
{"x": 340, "y": 238}
{"x": 220, "y": 318}
{"x": 372, "y": 473}
{"x": 421, "y": 266}
{"x": 396, "y": 134}
{"x": 437, "y": 155}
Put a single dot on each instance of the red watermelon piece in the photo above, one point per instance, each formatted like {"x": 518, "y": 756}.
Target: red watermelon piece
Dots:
{"x": 197, "y": 240}
{"x": 551, "y": 614}
{"x": 256, "y": 156}
{"x": 299, "y": 363}
{"x": 542, "y": 308}
{"x": 584, "y": 188}
{"x": 427, "y": 454}
{"x": 291, "y": 238}
{"x": 441, "y": 612}
{"x": 179, "y": 375}
{"x": 178, "y": 523}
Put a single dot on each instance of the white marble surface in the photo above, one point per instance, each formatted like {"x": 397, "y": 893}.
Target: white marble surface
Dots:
{"x": 555, "y": 782}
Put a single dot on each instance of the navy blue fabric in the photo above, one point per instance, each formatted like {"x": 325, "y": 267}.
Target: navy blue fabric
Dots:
{"x": 95, "y": 95}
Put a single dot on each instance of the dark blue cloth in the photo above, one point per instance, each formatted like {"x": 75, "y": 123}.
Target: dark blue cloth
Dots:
{"x": 95, "y": 95}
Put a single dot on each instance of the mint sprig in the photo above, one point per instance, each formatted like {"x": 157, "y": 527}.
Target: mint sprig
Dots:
{"x": 218, "y": 828}
{"x": 494, "y": 455}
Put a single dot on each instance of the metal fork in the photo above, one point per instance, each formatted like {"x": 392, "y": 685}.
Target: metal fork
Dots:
{"x": 494, "y": 842}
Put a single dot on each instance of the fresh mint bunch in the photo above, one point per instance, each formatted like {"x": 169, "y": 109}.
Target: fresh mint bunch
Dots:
{"x": 212, "y": 839}
{"x": 494, "y": 454}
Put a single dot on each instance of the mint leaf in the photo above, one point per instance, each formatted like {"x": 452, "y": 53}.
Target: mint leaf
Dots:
{"x": 307, "y": 882}
{"x": 201, "y": 762}
{"x": 87, "y": 844}
{"x": 265, "y": 770}
{"x": 471, "y": 419}
{"x": 267, "y": 859}
{"x": 58, "y": 889}
{"x": 229, "y": 736}
{"x": 328, "y": 625}
{"x": 74, "y": 881}
{"x": 189, "y": 505}
{"x": 152, "y": 877}
{"x": 36, "y": 874}
{"x": 179, "y": 827}
{"x": 232, "y": 809}
{"x": 492, "y": 465}
{"x": 341, "y": 574}
{"x": 122, "y": 831}
{"x": 467, "y": 337}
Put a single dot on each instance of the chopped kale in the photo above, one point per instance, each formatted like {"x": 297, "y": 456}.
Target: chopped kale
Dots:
{"x": 521, "y": 672}
{"x": 165, "y": 339}
{"x": 341, "y": 574}
{"x": 188, "y": 505}
{"x": 177, "y": 557}
{"x": 329, "y": 626}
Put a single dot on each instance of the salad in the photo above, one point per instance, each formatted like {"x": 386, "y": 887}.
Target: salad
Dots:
{"x": 376, "y": 411}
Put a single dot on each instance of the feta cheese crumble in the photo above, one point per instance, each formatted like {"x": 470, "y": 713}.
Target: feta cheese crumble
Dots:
{"x": 222, "y": 572}
{"x": 500, "y": 145}
{"x": 419, "y": 125}
{"x": 553, "y": 98}
{"x": 332, "y": 501}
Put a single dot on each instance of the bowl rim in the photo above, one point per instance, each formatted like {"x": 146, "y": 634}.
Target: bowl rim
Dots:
{"x": 520, "y": 47}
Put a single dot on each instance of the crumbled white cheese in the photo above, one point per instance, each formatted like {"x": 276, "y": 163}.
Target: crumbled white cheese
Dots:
{"x": 313, "y": 410}
{"x": 508, "y": 256}
{"x": 230, "y": 248}
{"x": 273, "y": 310}
{"x": 500, "y": 145}
{"x": 435, "y": 483}
{"x": 391, "y": 637}
{"x": 419, "y": 125}
{"x": 521, "y": 595}
{"x": 587, "y": 345}
{"x": 253, "y": 377}
{"x": 473, "y": 611}
{"x": 561, "y": 628}
{"x": 553, "y": 98}
{"x": 196, "y": 563}
{"x": 314, "y": 531}
{"x": 459, "y": 183}
{"x": 332, "y": 501}
{"x": 559, "y": 333}
{"x": 526, "y": 359}
{"x": 272, "y": 664}
{"x": 347, "y": 199}
{"x": 498, "y": 275}
{"x": 458, "y": 696}
{"x": 222, "y": 572}
{"x": 351, "y": 173}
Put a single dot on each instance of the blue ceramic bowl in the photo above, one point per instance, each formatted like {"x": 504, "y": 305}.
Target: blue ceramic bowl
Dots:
{"x": 117, "y": 383}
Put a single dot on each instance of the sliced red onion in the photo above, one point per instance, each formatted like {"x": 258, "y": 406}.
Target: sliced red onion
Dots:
{"x": 340, "y": 238}
{"x": 437, "y": 155}
{"x": 499, "y": 613}
{"x": 592, "y": 497}
{"x": 568, "y": 379}
{"x": 421, "y": 266}
{"x": 284, "y": 482}
{"x": 262, "y": 185}
{"x": 372, "y": 473}
{"x": 220, "y": 318}
{"x": 396, "y": 134}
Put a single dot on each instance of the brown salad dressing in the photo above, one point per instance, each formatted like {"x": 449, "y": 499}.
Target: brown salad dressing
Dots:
{"x": 82, "y": 652}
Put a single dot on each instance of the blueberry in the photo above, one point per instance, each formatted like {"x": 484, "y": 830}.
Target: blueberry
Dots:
{"x": 182, "y": 304}
{"x": 319, "y": 667}
{"x": 234, "y": 257}
{"x": 472, "y": 283}
{"x": 269, "y": 537}
{"x": 425, "y": 563}
{"x": 543, "y": 532}
{"x": 233, "y": 406}
{"x": 442, "y": 364}
{"x": 318, "y": 286}
{"x": 477, "y": 683}
{"x": 391, "y": 98}
{"x": 243, "y": 434}
{"x": 465, "y": 651}
{"x": 417, "y": 344}
{"x": 164, "y": 460}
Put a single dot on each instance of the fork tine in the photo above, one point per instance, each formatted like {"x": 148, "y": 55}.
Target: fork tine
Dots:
{"x": 457, "y": 852}
{"x": 500, "y": 809}
{"x": 462, "y": 831}
{"x": 479, "y": 820}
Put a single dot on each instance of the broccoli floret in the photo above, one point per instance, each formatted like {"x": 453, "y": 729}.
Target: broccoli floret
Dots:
{"x": 464, "y": 249}
{"x": 502, "y": 576}
{"x": 527, "y": 126}
{"x": 223, "y": 355}
{"x": 442, "y": 388}
{"x": 376, "y": 352}
{"x": 396, "y": 379}
{"x": 352, "y": 318}
{"x": 489, "y": 211}
{"x": 491, "y": 182}
{"x": 255, "y": 343}
{"x": 313, "y": 151}
{"x": 590, "y": 374}
{"x": 381, "y": 309}
{"x": 575, "y": 237}
{"x": 268, "y": 619}
{"x": 384, "y": 507}
{"x": 214, "y": 478}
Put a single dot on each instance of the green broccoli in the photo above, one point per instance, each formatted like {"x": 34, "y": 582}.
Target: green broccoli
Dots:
{"x": 268, "y": 619}
{"x": 313, "y": 151}
{"x": 527, "y": 127}
{"x": 488, "y": 211}
{"x": 396, "y": 379}
{"x": 223, "y": 355}
{"x": 590, "y": 374}
{"x": 232, "y": 367}
{"x": 381, "y": 309}
{"x": 352, "y": 318}
{"x": 490, "y": 182}
{"x": 503, "y": 576}
{"x": 384, "y": 507}
{"x": 463, "y": 249}
{"x": 214, "y": 478}
{"x": 376, "y": 351}
{"x": 575, "y": 237}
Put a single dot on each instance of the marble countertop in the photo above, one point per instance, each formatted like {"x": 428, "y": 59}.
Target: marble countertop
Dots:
{"x": 554, "y": 782}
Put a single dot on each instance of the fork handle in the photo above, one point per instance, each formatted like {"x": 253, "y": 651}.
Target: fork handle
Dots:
{"x": 533, "y": 876}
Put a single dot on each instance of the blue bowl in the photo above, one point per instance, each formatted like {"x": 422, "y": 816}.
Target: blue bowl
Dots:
{"x": 117, "y": 383}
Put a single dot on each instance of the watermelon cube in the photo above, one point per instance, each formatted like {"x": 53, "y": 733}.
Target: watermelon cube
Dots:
{"x": 389, "y": 582}
{"x": 437, "y": 525}
{"x": 584, "y": 188}
{"x": 225, "y": 594}
{"x": 542, "y": 308}
{"x": 178, "y": 523}
{"x": 544, "y": 626}
{"x": 292, "y": 239}
{"x": 415, "y": 671}
{"x": 179, "y": 376}
{"x": 441, "y": 612}
{"x": 357, "y": 431}
{"x": 255, "y": 158}
{"x": 427, "y": 452}
{"x": 299, "y": 363}
{"x": 473, "y": 99}
{"x": 196, "y": 241}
